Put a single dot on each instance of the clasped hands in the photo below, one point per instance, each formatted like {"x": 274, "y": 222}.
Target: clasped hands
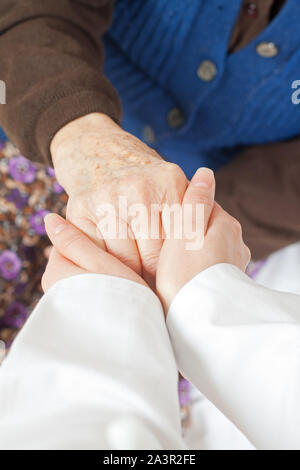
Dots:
{"x": 75, "y": 253}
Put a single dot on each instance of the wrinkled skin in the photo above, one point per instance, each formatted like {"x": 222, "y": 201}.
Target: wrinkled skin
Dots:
{"x": 96, "y": 162}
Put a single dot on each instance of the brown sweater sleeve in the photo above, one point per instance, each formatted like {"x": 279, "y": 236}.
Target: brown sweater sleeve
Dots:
{"x": 261, "y": 188}
{"x": 51, "y": 60}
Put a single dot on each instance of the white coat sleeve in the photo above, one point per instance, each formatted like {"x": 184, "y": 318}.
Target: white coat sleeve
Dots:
{"x": 239, "y": 343}
{"x": 93, "y": 368}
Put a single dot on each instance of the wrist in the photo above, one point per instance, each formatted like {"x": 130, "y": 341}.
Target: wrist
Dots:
{"x": 94, "y": 147}
{"x": 75, "y": 142}
{"x": 95, "y": 122}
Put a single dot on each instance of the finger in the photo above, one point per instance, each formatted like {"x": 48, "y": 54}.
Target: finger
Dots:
{"x": 201, "y": 190}
{"x": 149, "y": 248}
{"x": 147, "y": 230}
{"x": 123, "y": 246}
{"x": 88, "y": 227}
{"x": 74, "y": 244}
{"x": 58, "y": 268}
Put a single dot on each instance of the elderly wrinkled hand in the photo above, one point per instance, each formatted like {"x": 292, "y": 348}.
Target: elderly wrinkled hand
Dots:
{"x": 97, "y": 162}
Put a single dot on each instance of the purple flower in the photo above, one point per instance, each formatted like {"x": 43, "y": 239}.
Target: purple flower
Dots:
{"x": 57, "y": 188}
{"x": 51, "y": 172}
{"x": 22, "y": 169}
{"x": 37, "y": 222}
{"x": 184, "y": 392}
{"x": 10, "y": 265}
{"x": 15, "y": 315}
{"x": 16, "y": 197}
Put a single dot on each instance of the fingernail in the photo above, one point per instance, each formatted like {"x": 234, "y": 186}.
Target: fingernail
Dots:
{"x": 203, "y": 178}
{"x": 54, "y": 223}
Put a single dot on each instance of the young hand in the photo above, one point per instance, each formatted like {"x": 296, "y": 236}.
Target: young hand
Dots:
{"x": 223, "y": 242}
{"x": 74, "y": 253}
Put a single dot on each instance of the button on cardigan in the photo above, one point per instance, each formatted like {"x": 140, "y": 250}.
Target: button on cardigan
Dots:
{"x": 229, "y": 100}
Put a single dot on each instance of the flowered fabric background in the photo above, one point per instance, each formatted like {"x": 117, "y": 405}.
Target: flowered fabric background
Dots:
{"x": 28, "y": 192}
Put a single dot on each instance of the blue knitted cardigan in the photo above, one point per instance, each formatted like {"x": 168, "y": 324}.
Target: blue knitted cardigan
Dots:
{"x": 153, "y": 51}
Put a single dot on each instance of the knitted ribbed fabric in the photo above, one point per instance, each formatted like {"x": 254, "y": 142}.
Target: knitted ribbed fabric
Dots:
{"x": 153, "y": 51}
